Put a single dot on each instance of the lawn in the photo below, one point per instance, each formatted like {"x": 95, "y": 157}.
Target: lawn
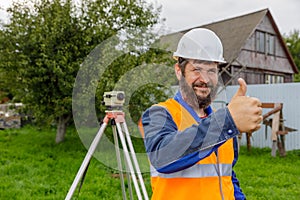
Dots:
{"x": 32, "y": 166}
{"x": 265, "y": 177}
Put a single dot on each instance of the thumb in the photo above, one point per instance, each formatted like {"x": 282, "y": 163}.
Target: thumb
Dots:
{"x": 242, "y": 89}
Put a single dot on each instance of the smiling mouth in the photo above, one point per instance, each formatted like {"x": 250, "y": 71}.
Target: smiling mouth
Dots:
{"x": 201, "y": 88}
{"x": 200, "y": 85}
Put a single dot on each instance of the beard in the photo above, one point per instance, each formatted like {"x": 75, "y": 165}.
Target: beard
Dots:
{"x": 197, "y": 102}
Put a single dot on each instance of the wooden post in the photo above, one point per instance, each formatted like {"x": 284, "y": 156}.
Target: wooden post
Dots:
{"x": 275, "y": 129}
{"x": 281, "y": 135}
{"x": 248, "y": 135}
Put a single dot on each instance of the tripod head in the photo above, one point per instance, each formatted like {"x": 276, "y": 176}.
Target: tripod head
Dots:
{"x": 114, "y": 101}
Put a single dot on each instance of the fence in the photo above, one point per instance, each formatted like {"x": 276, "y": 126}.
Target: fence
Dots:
{"x": 289, "y": 95}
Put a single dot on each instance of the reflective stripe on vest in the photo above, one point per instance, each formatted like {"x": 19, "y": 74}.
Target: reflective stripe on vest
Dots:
{"x": 198, "y": 171}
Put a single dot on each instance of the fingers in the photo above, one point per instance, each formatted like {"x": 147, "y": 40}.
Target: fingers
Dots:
{"x": 254, "y": 124}
{"x": 255, "y": 101}
{"x": 258, "y": 126}
{"x": 257, "y": 118}
{"x": 257, "y": 110}
{"x": 246, "y": 112}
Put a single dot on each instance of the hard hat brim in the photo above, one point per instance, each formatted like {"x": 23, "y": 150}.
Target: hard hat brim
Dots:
{"x": 175, "y": 57}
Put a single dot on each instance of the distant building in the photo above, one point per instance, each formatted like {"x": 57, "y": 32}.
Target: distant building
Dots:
{"x": 253, "y": 49}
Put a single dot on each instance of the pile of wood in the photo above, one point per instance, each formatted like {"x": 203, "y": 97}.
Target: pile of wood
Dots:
{"x": 9, "y": 116}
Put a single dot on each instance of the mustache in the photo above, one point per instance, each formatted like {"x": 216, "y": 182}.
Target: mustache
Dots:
{"x": 202, "y": 84}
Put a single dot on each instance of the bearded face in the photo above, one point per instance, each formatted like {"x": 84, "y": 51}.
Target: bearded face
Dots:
{"x": 198, "y": 84}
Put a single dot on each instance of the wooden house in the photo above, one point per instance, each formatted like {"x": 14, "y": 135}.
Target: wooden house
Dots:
{"x": 253, "y": 49}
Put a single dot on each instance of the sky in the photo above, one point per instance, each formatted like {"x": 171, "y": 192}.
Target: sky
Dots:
{"x": 183, "y": 14}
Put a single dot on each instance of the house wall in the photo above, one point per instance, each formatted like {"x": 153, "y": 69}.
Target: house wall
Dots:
{"x": 259, "y": 64}
{"x": 270, "y": 63}
{"x": 254, "y": 76}
{"x": 265, "y": 26}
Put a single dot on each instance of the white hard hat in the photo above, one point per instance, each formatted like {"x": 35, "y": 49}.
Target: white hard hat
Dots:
{"x": 200, "y": 44}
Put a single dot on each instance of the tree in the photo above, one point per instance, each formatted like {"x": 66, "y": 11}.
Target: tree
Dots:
{"x": 293, "y": 43}
{"x": 45, "y": 42}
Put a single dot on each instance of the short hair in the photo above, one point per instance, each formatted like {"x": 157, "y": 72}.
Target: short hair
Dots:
{"x": 182, "y": 62}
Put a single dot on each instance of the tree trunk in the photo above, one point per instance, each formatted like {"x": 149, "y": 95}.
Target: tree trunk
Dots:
{"x": 61, "y": 128}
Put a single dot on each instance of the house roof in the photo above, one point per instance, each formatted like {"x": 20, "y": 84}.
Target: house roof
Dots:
{"x": 234, "y": 33}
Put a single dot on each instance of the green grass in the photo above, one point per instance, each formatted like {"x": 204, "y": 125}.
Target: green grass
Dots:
{"x": 265, "y": 177}
{"x": 32, "y": 166}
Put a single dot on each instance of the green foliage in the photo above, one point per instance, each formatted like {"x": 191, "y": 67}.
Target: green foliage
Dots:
{"x": 293, "y": 43}
{"x": 144, "y": 98}
{"x": 46, "y": 41}
{"x": 140, "y": 92}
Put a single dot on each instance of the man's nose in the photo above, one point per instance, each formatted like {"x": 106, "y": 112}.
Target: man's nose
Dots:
{"x": 204, "y": 76}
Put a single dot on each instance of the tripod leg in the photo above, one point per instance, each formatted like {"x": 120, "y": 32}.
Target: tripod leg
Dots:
{"x": 86, "y": 161}
{"x": 129, "y": 181}
{"x": 128, "y": 160}
{"x": 119, "y": 161}
{"x": 135, "y": 162}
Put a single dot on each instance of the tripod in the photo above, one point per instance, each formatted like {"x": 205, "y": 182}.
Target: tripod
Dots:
{"x": 120, "y": 130}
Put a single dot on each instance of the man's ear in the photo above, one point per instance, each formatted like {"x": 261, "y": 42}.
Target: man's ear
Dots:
{"x": 177, "y": 71}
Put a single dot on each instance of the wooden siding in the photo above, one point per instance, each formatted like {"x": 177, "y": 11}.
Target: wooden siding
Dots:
{"x": 278, "y": 62}
{"x": 250, "y": 45}
{"x": 259, "y": 64}
{"x": 252, "y": 75}
{"x": 266, "y": 25}
{"x": 268, "y": 63}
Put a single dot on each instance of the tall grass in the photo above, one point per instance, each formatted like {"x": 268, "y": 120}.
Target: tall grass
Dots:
{"x": 32, "y": 166}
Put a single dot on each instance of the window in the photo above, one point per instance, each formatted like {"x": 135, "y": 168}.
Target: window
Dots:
{"x": 271, "y": 79}
{"x": 265, "y": 43}
{"x": 271, "y": 44}
{"x": 260, "y": 42}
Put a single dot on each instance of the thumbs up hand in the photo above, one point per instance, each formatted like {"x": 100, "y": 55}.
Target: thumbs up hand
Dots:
{"x": 245, "y": 111}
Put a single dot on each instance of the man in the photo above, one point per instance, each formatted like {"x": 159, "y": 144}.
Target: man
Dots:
{"x": 192, "y": 149}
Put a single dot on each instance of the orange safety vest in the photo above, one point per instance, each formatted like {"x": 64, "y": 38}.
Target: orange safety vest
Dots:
{"x": 208, "y": 179}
